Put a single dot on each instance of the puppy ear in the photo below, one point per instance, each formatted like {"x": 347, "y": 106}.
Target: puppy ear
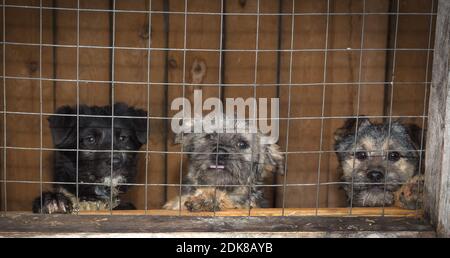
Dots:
{"x": 184, "y": 137}
{"x": 140, "y": 125}
{"x": 63, "y": 128}
{"x": 273, "y": 159}
{"x": 415, "y": 133}
{"x": 349, "y": 127}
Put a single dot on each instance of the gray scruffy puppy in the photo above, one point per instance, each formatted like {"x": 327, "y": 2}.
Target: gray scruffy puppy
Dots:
{"x": 373, "y": 161}
{"x": 237, "y": 159}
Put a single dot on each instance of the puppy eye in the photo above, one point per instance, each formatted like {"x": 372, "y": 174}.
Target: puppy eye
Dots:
{"x": 123, "y": 138}
{"x": 242, "y": 145}
{"x": 361, "y": 155}
{"x": 90, "y": 139}
{"x": 394, "y": 156}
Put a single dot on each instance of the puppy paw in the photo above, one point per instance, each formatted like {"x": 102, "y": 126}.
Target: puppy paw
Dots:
{"x": 209, "y": 199}
{"x": 125, "y": 206}
{"x": 409, "y": 196}
{"x": 53, "y": 203}
{"x": 201, "y": 203}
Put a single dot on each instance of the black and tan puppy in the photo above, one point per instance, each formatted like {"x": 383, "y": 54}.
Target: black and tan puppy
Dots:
{"x": 378, "y": 171}
{"x": 98, "y": 182}
{"x": 234, "y": 162}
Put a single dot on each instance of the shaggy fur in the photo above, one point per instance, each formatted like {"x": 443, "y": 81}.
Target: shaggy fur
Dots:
{"x": 409, "y": 196}
{"x": 93, "y": 167}
{"x": 230, "y": 161}
{"x": 379, "y": 167}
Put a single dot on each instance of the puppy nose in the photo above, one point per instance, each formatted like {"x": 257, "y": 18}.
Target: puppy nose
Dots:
{"x": 221, "y": 153}
{"x": 375, "y": 175}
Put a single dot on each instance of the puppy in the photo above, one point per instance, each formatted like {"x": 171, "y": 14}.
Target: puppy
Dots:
{"x": 98, "y": 185}
{"x": 379, "y": 167}
{"x": 234, "y": 162}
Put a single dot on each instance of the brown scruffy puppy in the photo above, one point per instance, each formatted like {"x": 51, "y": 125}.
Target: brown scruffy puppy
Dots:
{"x": 383, "y": 172}
{"x": 234, "y": 162}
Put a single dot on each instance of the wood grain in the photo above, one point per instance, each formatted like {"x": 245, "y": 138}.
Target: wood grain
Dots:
{"x": 132, "y": 30}
{"x": 240, "y": 67}
{"x": 376, "y": 212}
{"x": 412, "y": 67}
{"x": 344, "y": 32}
{"x": 13, "y": 225}
{"x": 437, "y": 176}
{"x": 202, "y": 32}
{"x": 24, "y": 95}
{"x": 2, "y": 142}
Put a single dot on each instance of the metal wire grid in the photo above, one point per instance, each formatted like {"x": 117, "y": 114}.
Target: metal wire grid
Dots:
{"x": 207, "y": 13}
{"x": 358, "y": 105}
{"x": 180, "y": 189}
{"x": 148, "y": 105}
{"x": 392, "y": 89}
{"x": 78, "y": 104}
{"x": 422, "y": 136}
{"x": 112, "y": 98}
{"x": 220, "y": 92}
{"x": 4, "y": 109}
{"x": 323, "y": 97}
{"x": 184, "y": 49}
{"x": 149, "y": 83}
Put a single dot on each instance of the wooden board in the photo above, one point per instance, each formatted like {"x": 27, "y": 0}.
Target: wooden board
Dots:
{"x": 339, "y": 97}
{"x": 376, "y": 212}
{"x": 257, "y": 67}
{"x": 2, "y": 142}
{"x": 15, "y": 225}
{"x": 412, "y": 67}
{"x": 133, "y": 30}
{"x": 437, "y": 178}
{"x": 24, "y": 96}
{"x": 202, "y": 32}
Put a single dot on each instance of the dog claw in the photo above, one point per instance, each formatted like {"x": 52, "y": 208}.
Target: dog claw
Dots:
{"x": 197, "y": 203}
{"x": 409, "y": 196}
{"x": 52, "y": 203}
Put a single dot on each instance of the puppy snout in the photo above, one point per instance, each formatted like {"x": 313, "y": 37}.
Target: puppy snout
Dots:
{"x": 220, "y": 154}
{"x": 375, "y": 175}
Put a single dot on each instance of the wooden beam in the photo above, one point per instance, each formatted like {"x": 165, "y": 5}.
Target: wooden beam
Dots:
{"x": 365, "y": 234}
{"x": 28, "y": 225}
{"x": 437, "y": 162}
{"x": 274, "y": 212}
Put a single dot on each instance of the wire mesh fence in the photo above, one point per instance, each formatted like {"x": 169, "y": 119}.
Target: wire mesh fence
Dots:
{"x": 330, "y": 63}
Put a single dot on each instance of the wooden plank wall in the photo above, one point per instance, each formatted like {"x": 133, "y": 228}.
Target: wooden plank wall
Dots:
{"x": 437, "y": 179}
{"x": 24, "y": 96}
{"x": 2, "y": 188}
{"x": 310, "y": 97}
{"x": 340, "y": 70}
